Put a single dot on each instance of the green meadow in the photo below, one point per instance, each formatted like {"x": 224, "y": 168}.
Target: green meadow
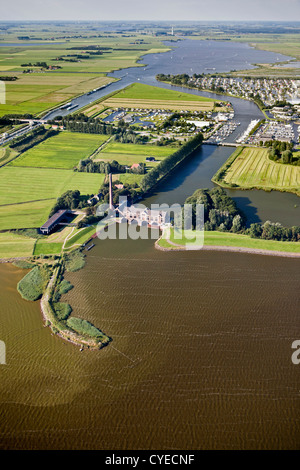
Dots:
{"x": 44, "y": 248}
{"x": 26, "y": 215}
{"x": 41, "y": 90}
{"x": 32, "y": 184}
{"x": 215, "y": 238}
{"x": 252, "y": 168}
{"x": 15, "y": 245}
{"x": 61, "y": 151}
{"x": 127, "y": 154}
{"x": 27, "y": 194}
{"x": 139, "y": 91}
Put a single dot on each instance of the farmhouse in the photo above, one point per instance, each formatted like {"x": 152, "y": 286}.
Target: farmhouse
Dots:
{"x": 135, "y": 166}
{"x": 53, "y": 221}
{"x": 95, "y": 198}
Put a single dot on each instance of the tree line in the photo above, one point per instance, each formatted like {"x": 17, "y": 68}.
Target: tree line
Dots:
{"x": 221, "y": 213}
{"x": 282, "y": 152}
{"x": 90, "y": 166}
{"x": 166, "y": 165}
{"x": 23, "y": 143}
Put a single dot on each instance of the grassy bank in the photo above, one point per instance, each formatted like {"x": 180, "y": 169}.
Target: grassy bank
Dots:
{"x": 232, "y": 240}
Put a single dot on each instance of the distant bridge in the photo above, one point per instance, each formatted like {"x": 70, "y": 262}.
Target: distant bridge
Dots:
{"x": 223, "y": 144}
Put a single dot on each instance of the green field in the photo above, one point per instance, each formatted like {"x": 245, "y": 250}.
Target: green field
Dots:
{"x": 45, "y": 248}
{"x": 38, "y": 189}
{"x": 128, "y": 178}
{"x": 127, "y": 154}
{"x": 6, "y": 154}
{"x": 252, "y": 168}
{"x": 32, "y": 184}
{"x": 40, "y": 90}
{"x": 142, "y": 96}
{"x": 12, "y": 245}
{"x": 26, "y": 215}
{"x": 80, "y": 236}
{"x": 236, "y": 240}
{"x": 140, "y": 91}
{"x": 34, "y": 93}
{"x": 61, "y": 151}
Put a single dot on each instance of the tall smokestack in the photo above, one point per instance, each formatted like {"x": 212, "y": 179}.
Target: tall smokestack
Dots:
{"x": 111, "y": 206}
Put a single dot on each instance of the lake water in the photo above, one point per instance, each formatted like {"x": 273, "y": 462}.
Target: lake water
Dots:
{"x": 200, "y": 357}
{"x": 201, "y": 350}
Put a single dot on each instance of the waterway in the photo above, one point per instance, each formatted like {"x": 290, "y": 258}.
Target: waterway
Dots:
{"x": 201, "y": 350}
{"x": 190, "y": 56}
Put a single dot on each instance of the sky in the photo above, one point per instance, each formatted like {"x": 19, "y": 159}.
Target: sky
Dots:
{"x": 172, "y": 10}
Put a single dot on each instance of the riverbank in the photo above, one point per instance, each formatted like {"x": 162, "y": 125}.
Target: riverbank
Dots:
{"x": 231, "y": 242}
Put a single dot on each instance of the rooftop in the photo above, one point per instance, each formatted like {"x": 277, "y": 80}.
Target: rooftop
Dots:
{"x": 55, "y": 217}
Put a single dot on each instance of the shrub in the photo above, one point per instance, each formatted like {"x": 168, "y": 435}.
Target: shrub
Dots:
{"x": 32, "y": 286}
{"x": 64, "y": 287}
{"x": 62, "y": 310}
{"x": 84, "y": 327}
{"x": 74, "y": 261}
{"x": 23, "y": 264}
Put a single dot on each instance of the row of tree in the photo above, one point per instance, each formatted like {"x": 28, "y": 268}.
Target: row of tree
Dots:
{"x": 23, "y": 143}
{"x": 90, "y": 166}
{"x": 274, "y": 231}
{"x": 80, "y": 123}
{"x": 69, "y": 200}
{"x": 166, "y": 165}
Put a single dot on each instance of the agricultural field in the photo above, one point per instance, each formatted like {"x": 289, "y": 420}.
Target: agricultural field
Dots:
{"x": 149, "y": 97}
{"x": 42, "y": 89}
{"x": 36, "y": 92}
{"x": 127, "y": 154}
{"x": 253, "y": 169}
{"x": 15, "y": 245}
{"x": 32, "y": 184}
{"x": 6, "y": 155}
{"x": 61, "y": 151}
{"x": 45, "y": 248}
{"x": 25, "y": 215}
{"x": 27, "y": 194}
{"x": 129, "y": 178}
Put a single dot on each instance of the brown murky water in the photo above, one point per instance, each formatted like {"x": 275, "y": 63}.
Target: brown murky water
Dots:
{"x": 200, "y": 358}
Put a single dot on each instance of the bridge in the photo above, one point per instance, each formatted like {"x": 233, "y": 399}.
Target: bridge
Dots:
{"x": 222, "y": 144}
